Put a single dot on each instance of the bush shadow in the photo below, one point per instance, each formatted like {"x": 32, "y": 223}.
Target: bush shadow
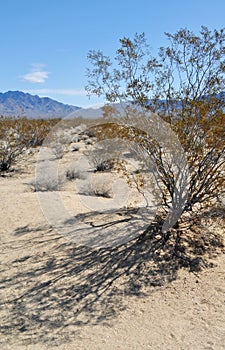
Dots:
{"x": 61, "y": 286}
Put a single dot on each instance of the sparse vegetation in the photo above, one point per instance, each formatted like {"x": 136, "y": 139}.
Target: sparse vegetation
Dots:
{"x": 18, "y": 135}
{"x": 183, "y": 146}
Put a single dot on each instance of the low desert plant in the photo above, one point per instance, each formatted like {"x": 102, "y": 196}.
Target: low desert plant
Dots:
{"x": 58, "y": 150}
{"x": 75, "y": 149}
{"x": 97, "y": 189}
{"x": 102, "y": 157}
{"x": 18, "y": 135}
{"x": 9, "y": 152}
{"x": 105, "y": 165}
{"x": 73, "y": 174}
{"x": 88, "y": 142}
{"x": 90, "y": 133}
{"x": 47, "y": 183}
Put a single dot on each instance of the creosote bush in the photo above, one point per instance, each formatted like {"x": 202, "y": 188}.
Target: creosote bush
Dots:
{"x": 184, "y": 85}
{"x": 17, "y": 135}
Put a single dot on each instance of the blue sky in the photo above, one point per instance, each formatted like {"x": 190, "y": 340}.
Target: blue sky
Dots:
{"x": 44, "y": 43}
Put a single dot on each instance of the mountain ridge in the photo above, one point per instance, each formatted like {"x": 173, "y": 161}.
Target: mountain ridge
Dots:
{"x": 19, "y": 103}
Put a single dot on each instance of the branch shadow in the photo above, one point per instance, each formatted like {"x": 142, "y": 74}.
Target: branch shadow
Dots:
{"x": 59, "y": 287}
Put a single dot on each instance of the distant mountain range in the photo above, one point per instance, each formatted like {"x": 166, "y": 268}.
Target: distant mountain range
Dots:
{"x": 18, "y": 103}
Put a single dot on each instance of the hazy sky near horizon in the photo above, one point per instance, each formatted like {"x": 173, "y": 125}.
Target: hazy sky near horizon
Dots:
{"x": 44, "y": 43}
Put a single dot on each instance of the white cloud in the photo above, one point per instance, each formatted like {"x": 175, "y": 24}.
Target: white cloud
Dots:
{"x": 36, "y": 77}
{"x": 37, "y": 74}
{"x": 67, "y": 92}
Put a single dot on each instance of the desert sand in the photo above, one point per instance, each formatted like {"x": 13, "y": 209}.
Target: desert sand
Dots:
{"x": 58, "y": 294}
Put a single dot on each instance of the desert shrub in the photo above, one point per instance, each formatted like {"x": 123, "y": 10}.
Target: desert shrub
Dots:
{"x": 75, "y": 148}
{"x": 90, "y": 133}
{"x": 184, "y": 85}
{"x": 103, "y": 156}
{"x": 9, "y": 153}
{"x": 105, "y": 165}
{"x": 73, "y": 174}
{"x": 17, "y": 135}
{"x": 46, "y": 183}
{"x": 38, "y": 129}
{"x": 97, "y": 189}
{"x": 88, "y": 142}
{"x": 77, "y": 139}
{"x": 58, "y": 150}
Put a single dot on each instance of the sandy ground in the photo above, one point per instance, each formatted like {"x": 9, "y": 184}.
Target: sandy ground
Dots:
{"x": 57, "y": 294}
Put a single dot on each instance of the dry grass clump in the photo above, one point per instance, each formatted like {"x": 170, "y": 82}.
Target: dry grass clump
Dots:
{"x": 47, "y": 180}
{"x": 103, "y": 155}
{"x": 72, "y": 174}
{"x": 97, "y": 188}
{"x": 47, "y": 184}
{"x": 75, "y": 148}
